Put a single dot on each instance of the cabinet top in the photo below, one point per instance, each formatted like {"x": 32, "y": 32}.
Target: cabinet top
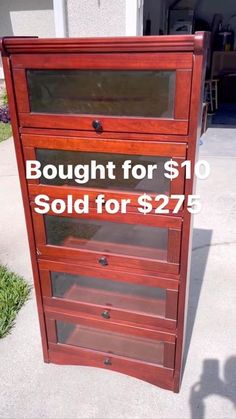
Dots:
{"x": 196, "y": 43}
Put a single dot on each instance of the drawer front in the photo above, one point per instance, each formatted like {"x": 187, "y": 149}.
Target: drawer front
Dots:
{"x": 157, "y": 348}
{"x": 142, "y": 243}
{"x": 120, "y": 296}
{"x": 147, "y": 93}
{"x": 72, "y": 355}
{"x": 77, "y": 152}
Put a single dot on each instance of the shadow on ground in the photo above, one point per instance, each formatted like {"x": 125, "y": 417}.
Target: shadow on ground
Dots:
{"x": 210, "y": 383}
{"x": 200, "y": 250}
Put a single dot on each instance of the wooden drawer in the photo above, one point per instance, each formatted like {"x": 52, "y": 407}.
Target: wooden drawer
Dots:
{"x": 145, "y": 93}
{"x": 111, "y": 341}
{"x": 122, "y": 297}
{"x": 70, "y": 355}
{"x": 122, "y": 241}
{"x": 58, "y": 150}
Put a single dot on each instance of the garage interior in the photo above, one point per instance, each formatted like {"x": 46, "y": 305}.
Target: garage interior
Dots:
{"x": 162, "y": 17}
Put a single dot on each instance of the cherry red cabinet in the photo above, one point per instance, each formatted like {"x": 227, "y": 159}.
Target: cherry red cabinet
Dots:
{"x": 110, "y": 288}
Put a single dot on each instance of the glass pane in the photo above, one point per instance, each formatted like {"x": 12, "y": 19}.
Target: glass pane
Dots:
{"x": 106, "y": 236}
{"x": 103, "y": 92}
{"x": 106, "y": 292}
{"x": 110, "y": 342}
{"x": 158, "y": 184}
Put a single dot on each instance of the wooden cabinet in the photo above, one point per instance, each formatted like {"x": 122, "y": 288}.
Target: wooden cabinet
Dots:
{"x": 110, "y": 288}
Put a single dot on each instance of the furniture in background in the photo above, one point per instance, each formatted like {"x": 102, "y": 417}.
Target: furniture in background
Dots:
{"x": 211, "y": 94}
{"x": 111, "y": 288}
{"x": 204, "y": 117}
{"x": 223, "y": 63}
{"x": 224, "y": 69}
{"x": 180, "y": 19}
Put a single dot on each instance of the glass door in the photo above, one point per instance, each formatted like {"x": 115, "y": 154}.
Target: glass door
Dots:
{"x": 114, "y": 296}
{"x": 142, "y": 243}
{"x": 122, "y": 92}
{"x": 77, "y": 154}
{"x": 112, "y": 342}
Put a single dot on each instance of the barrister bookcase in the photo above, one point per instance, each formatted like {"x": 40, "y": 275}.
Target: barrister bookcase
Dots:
{"x": 111, "y": 289}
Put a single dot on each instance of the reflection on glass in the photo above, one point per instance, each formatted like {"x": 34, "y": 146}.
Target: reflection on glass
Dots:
{"x": 144, "y": 93}
{"x": 108, "y": 237}
{"x": 110, "y": 342}
{"x": 158, "y": 184}
{"x": 106, "y": 292}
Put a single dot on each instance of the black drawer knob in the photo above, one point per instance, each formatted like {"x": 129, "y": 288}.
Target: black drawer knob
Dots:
{"x": 105, "y": 314}
{"x": 107, "y": 361}
{"x": 103, "y": 261}
{"x": 97, "y": 125}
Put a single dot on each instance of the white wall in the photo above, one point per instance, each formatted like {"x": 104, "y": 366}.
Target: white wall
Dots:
{"x": 83, "y": 18}
{"x": 26, "y": 18}
{"x": 96, "y": 17}
{"x": 134, "y": 17}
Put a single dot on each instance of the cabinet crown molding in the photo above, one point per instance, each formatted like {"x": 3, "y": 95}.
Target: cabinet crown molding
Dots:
{"x": 168, "y": 43}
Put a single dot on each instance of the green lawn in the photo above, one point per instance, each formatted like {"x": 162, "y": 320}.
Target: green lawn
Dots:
{"x": 14, "y": 292}
{"x": 5, "y": 131}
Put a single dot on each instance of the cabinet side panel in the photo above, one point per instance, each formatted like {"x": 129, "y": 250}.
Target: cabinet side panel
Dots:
{"x": 199, "y": 65}
{"x": 24, "y": 191}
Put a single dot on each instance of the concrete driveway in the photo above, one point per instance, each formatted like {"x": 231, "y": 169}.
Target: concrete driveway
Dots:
{"x": 31, "y": 389}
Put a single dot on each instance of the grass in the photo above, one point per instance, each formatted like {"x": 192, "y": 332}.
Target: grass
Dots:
{"x": 5, "y": 131}
{"x": 5, "y": 128}
{"x": 4, "y": 97}
{"x": 14, "y": 292}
